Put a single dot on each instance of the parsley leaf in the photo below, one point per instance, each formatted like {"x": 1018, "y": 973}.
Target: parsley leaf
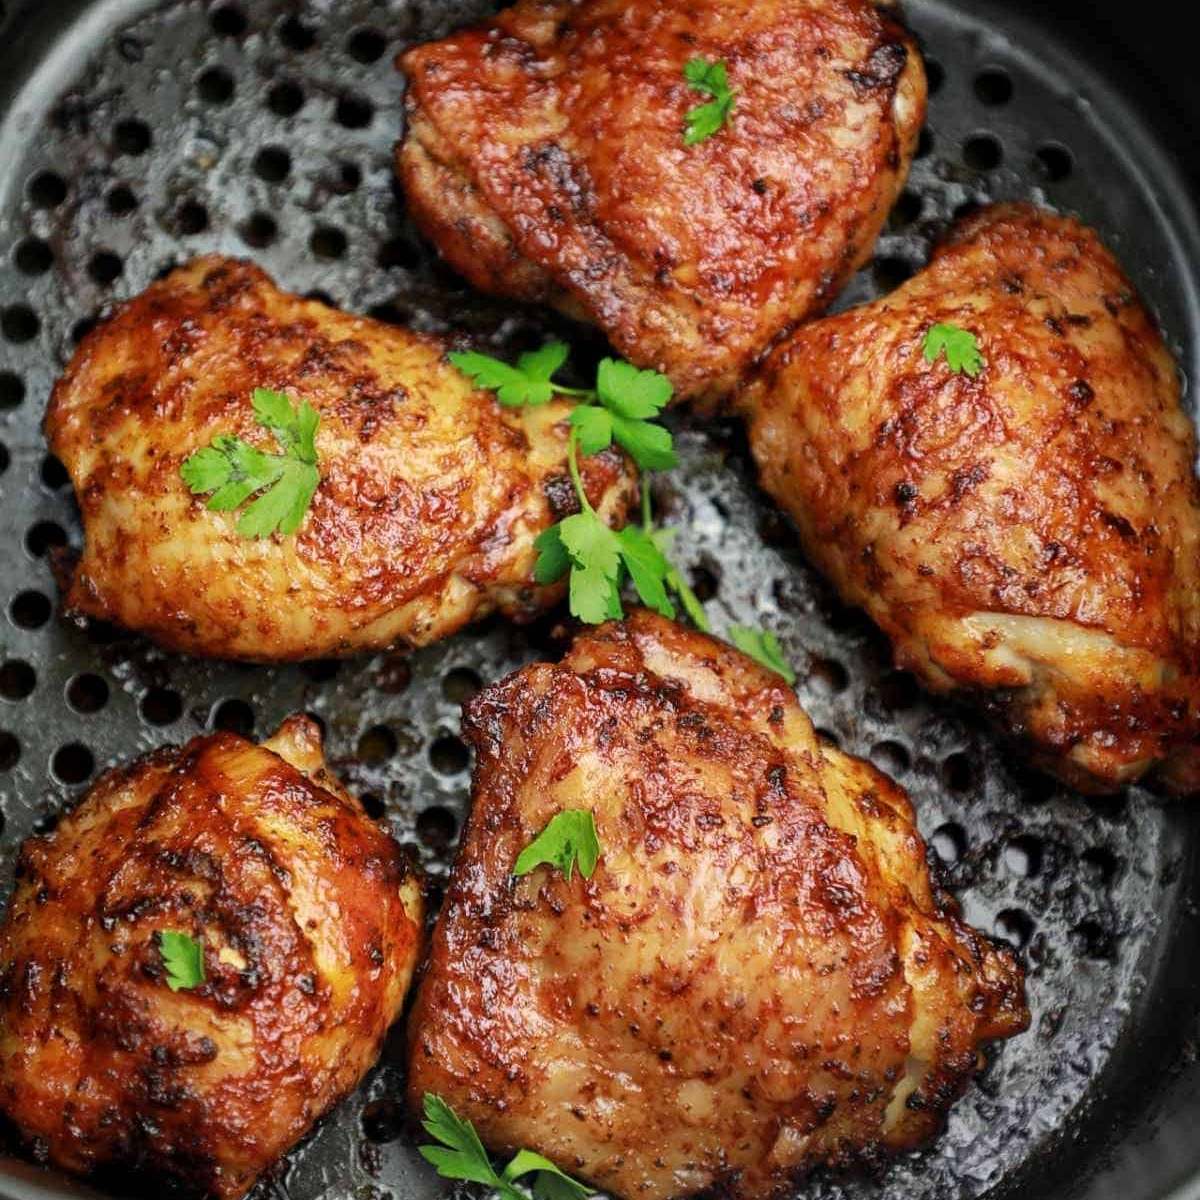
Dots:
{"x": 648, "y": 568}
{"x": 763, "y": 646}
{"x": 183, "y": 957}
{"x": 553, "y": 561}
{"x": 622, "y": 407}
{"x": 294, "y": 428}
{"x": 711, "y": 79}
{"x": 569, "y": 838}
{"x": 550, "y": 1183}
{"x": 462, "y": 1156}
{"x": 595, "y": 555}
{"x": 663, "y": 538}
{"x": 529, "y": 382}
{"x": 650, "y": 446}
{"x": 961, "y": 348}
{"x": 232, "y": 470}
{"x": 590, "y": 541}
{"x": 689, "y": 600}
{"x": 630, "y": 393}
{"x": 595, "y": 427}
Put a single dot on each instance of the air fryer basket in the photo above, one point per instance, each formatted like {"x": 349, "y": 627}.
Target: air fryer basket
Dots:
{"x": 136, "y": 135}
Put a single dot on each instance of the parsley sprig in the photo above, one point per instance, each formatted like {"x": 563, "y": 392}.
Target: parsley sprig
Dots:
{"x": 711, "y": 79}
{"x": 622, "y": 407}
{"x": 183, "y": 958}
{"x": 529, "y": 382}
{"x": 569, "y": 838}
{"x": 600, "y": 559}
{"x": 960, "y": 346}
{"x": 763, "y": 646}
{"x": 461, "y": 1156}
{"x": 232, "y": 470}
{"x": 628, "y": 401}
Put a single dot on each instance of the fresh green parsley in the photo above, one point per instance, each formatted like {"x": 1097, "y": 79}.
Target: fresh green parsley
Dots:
{"x": 960, "y": 346}
{"x": 569, "y": 838}
{"x": 710, "y": 78}
{"x": 232, "y": 470}
{"x": 621, "y": 408}
{"x": 629, "y": 400}
{"x": 600, "y": 559}
{"x": 763, "y": 646}
{"x": 529, "y": 382}
{"x": 461, "y": 1156}
{"x": 183, "y": 957}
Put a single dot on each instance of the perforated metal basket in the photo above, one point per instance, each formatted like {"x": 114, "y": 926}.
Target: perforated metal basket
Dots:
{"x": 135, "y": 136}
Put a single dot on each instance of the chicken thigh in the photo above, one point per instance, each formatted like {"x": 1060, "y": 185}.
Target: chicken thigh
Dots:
{"x": 309, "y": 924}
{"x": 1029, "y": 534}
{"x": 758, "y": 976}
{"x": 545, "y": 157}
{"x": 430, "y": 495}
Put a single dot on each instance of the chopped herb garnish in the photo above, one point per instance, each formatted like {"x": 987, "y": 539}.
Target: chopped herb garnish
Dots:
{"x": 762, "y": 646}
{"x": 960, "y": 346}
{"x": 461, "y": 1156}
{"x": 569, "y": 838}
{"x": 183, "y": 957}
{"x": 233, "y": 470}
{"x": 710, "y": 78}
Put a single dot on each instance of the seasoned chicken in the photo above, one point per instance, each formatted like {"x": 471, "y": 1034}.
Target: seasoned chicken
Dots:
{"x": 756, "y": 979}
{"x": 545, "y": 157}
{"x": 1030, "y": 534}
{"x": 430, "y": 496}
{"x": 310, "y": 922}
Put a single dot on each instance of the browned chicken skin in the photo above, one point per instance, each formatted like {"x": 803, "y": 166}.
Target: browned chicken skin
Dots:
{"x": 757, "y": 978}
{"x": 430, "y": 498}
{"x": 545, "y": 157}
{"x": 311, "y": 921}
{"x": 1030, "y": 535}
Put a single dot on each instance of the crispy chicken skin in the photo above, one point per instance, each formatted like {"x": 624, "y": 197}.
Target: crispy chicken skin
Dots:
{"x": 311, "y": 921}
{"x": 1030, "y": 535}
{"x": 545, "y": 158}
{"x": 758, "y": 977}
{"x": 430, "y": 498}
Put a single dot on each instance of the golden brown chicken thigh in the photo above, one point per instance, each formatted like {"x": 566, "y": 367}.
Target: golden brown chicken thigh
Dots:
{"x": 1030, "y": 534}
{"x": 756, "y": 979}
{"x": 545, "y": 156}
{"x": 430, "y": 498}
{"x": 310, "y": 921}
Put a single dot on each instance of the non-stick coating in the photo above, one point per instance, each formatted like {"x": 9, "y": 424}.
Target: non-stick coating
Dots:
{"x": 135, "y": 137}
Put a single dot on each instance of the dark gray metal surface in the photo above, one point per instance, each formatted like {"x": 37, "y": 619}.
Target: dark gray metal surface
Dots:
{"x": 134, "y": 136}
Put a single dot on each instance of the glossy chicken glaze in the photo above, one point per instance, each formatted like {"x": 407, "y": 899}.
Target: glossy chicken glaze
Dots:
{"x": 545, "y": 158}
{"x": 1030, "y": 535}
{"x": 430, "y": 498}
{"x": 311, "y": 921}
{"x": 758, "y": 977}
